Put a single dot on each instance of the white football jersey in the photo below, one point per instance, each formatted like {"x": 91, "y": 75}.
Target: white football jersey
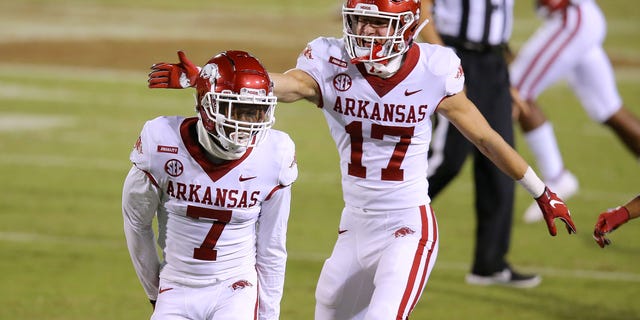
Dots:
{"x": 382, "y": 127}
{"x": 214, "y": 219}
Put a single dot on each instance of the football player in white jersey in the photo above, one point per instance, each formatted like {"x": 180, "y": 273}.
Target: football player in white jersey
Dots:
{"x": 568, "y": 44}
{"x": 219, "y": 186}
{"x": 377, "y": 89}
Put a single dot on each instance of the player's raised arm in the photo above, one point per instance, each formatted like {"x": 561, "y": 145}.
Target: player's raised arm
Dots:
{"x": 294, "y": 85}
{"x": 465, "y": 116}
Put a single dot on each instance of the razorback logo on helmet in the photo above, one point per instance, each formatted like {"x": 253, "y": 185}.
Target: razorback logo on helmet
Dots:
{"x": 210, "y": 71}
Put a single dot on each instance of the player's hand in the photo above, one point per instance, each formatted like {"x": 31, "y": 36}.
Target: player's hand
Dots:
{"x": 519, "y": 105}
{"x": 553, "y": 207}
{"x": 607, "y": 222}
{"x": 173, "y": 75}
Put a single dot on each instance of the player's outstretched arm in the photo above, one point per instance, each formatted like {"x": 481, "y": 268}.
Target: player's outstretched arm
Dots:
{"x": 173, "y": 75}
{"x": 613, "y": 218}
{"x": 295, "y": 85}
{"x": 465, "y": 116}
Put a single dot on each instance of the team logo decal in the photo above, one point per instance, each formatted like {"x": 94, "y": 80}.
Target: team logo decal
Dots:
{"x": 460, "y": 72}
{"x": 307, "y": 53}
{"x": 210, "y": 71}
{"x": 174, "y": 167}
{"x": 403, "y": 232}
{"x": 342, "y": 82}
{"x": 138, "y": 145}
{"x": 241, "y": 284}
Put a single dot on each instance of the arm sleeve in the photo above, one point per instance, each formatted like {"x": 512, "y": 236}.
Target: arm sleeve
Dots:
{"x": 272, "y": 253}
{"x": 140, "y": 199}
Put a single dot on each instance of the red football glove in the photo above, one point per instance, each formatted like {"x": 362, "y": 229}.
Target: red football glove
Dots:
{"x": 553, "y": 5}
{"x": 173, "y": 75}
{"x": 607, "y": 222}
{"x": 553, "y": 207}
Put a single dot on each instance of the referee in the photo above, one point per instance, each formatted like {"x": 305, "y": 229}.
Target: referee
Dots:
{"x": 478, "y": 30}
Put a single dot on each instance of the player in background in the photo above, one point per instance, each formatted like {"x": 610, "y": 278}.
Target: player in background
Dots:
{"x": 219, "y": 186}
{"x": 378, "y": 89}
{"x": 568, "y": 44}
{"x": 481, "y": 41}
{"x": 614, "y": 218}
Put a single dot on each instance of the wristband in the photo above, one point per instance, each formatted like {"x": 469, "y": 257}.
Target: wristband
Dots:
{"x": 532, "y": 183}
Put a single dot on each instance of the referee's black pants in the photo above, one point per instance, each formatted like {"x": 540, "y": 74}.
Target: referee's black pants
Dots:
{"x": 487, "y": 84}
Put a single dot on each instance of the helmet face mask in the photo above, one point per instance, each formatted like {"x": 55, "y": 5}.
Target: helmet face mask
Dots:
{"x": 241, "y": 120}
{"x": 394, "y": 22}
{"x": 235, "y": 101}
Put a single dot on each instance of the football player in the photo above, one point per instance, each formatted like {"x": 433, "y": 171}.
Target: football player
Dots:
{"x": 568, "y": 44}
{"x": 378, "y": 89}
{"x": 219, "y": 185}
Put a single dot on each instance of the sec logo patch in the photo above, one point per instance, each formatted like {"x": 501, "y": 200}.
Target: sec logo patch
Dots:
{"x": 173, "y": 167}
{"x": 342, "y": 82}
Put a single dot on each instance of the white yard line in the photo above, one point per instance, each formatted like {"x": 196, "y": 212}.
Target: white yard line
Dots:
{"x": 58, "y": 73}
{"x": 91, "y": 22}
{"x": 12, "y": 122}
{"x": 24, "y": 237}
{"x": 58, "y": 161}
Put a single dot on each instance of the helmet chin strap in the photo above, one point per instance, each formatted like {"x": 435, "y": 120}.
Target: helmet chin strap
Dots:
{"x": 214, "y": 148}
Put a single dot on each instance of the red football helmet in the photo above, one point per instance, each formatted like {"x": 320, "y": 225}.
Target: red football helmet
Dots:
{"x": 235, "y": 100}
{"x": 400, "y": 17}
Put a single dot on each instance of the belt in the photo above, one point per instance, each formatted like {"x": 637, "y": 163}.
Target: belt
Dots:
{"x": 479, "y": 47}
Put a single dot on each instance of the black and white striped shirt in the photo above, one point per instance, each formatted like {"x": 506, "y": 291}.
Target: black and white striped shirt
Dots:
{"x": 487, "y": 22}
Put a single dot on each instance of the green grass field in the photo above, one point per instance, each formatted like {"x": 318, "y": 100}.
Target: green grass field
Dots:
{"x": 73, "y": 98}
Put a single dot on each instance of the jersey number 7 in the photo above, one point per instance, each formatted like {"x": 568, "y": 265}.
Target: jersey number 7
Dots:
{"x": 392, "y": 172}
{"x": 221, "y": 217}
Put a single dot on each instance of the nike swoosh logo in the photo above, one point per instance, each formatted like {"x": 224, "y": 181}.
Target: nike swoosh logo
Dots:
{"x": 246, "y": 178}
{"x": 554, "y": 202}
{"x": 408, "y": 93}
{"x": 342, "y": 231}
{"x": 163, "y": 290}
